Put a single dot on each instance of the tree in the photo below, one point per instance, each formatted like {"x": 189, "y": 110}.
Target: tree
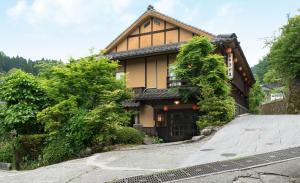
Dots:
{"x": 284, "y": 59}
{"x": 90, "y": 80}
{"x": 206, "y": 71}
{"x": 24, "y": 98}
{"x": 256, "y": 97}
{"x": 260, "y": 69}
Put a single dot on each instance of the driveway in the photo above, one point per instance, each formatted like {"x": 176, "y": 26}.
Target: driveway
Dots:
{"x": 246, "y": 135}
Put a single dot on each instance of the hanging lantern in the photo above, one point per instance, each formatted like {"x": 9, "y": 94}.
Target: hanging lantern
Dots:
{"x": 235, "y": 60}
{"x": 240, "y": 68}
{"x": 228, "y": 50}
{"x": 194, "y": 107}
{"x": 244, "y": 74}
{"x": 246, "y": 79}
{"x": 165, "y": 108}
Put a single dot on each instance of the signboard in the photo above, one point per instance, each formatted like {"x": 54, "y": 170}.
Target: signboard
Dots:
{"x": 230, "y": 65}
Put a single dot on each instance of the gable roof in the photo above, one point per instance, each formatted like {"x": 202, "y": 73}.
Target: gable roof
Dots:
{"x": 151, "y": 12}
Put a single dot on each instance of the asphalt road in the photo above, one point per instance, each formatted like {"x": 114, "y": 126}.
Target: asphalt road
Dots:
{"x": 246, "y": 135}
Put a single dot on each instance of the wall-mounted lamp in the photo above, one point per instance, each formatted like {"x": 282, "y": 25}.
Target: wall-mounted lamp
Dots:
{"x": 159, "y": 118}
{"x": 176, "y": 102}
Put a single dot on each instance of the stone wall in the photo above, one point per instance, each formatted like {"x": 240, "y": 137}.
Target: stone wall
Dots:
{"x": 294, "y": 97}
{"x": 275, "y": 107}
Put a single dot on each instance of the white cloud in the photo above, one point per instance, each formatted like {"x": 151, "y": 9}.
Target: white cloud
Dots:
{"x": 17, "y": 10}
{"x": 69, "y": 12}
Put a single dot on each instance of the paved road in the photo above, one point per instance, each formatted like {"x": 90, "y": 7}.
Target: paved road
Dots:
{"x": 284, "y": 172}
{"x": 247, "y": 135}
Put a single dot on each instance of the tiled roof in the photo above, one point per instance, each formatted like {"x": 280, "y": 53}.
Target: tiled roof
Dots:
{"x": 174, "y": 47}
{"x": 152, "y": 93}
{"x": 144, "y": 51}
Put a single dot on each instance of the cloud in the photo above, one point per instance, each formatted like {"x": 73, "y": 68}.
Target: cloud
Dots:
{"x": 17, "y": 10}
{"x": 69, "y": 12}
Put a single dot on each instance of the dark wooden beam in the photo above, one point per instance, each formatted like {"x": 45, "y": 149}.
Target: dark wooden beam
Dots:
{"x": 154, "y": 32}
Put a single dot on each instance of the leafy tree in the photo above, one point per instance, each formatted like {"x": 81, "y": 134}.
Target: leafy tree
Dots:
{"x": 24, "y": 98}
{"x": 260, "y": 69}
{"x": 256, "y": 97}
{"x": 284, "y": 59}
{"x": 91, "y": 80}
{"x": 206, "y": 71}
{"x": 7, "y": 63}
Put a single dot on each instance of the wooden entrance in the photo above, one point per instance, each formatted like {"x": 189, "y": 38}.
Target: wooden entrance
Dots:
{"x": 180, "y": 125}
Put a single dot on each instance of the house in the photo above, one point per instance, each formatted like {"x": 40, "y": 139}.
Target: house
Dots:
{"x": 146, "y": 51}
{"x": 273, "y": 92}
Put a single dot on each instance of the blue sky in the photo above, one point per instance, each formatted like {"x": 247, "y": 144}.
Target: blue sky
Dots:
{"x": 60, "y": 29}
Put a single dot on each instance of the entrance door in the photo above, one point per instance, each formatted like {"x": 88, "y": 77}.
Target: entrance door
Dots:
{"x": 181, "y": 124}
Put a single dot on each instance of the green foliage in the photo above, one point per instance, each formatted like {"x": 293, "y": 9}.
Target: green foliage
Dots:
{"x": 104, "y": 119}
{"x": 57, "y": 150}
{"x": 7, "y": 63}
{"x": 157, "y": 140}
{"x": 285, "y": 51}
{"x": 90, "y": 80}
{"x": 256, "y": 97}
{"x": 217, "y": 111}
{"x": 208, "y": 73}
{"x": 271, "y": 76}
{"x": 56, "y": 116}
{"x": 128, "y": 135}
{"x": 77, "y": 105}
{"x": 6, "y": 152}
{"x": 24, "y": 98}
{"x": 260, "y": 69}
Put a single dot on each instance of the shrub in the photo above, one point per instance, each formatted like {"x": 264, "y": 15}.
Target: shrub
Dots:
{"x": 56, "y": 151}
{"x": 217, "y": 111}
{"x": 27, "y": 148}
{"x": 256, "y": 97}
{"x": 128, "y": 135}
{"x": 6, "y": 152}
{"x": 157, "y": 140}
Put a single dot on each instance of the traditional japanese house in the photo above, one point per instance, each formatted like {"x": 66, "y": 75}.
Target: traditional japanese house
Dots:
{"x": 146, "y": 51}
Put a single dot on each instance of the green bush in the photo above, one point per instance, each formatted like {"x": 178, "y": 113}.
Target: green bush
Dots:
{"x": 128, "y": 135}
{"x": 56, "y": 151}
{"x": 157, "y": 140}
{"x": 217, "y": 111}
{"x": 27, "y": 148}
{"x": 6, "y": 152}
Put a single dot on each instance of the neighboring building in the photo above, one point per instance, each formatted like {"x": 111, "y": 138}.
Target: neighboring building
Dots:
{"x": 146, "y": 51}
{"x": 273, "y": 92}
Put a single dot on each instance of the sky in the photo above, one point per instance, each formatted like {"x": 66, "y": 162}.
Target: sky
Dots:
{"x": 60, "y": 29}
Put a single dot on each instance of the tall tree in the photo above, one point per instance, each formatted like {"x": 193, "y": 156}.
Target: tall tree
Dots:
{"x": 206, "y": 71}
{"x": 285, "y": 60}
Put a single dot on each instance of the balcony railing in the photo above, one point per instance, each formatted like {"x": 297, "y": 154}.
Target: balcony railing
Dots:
{"x": 172, "y": 81}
